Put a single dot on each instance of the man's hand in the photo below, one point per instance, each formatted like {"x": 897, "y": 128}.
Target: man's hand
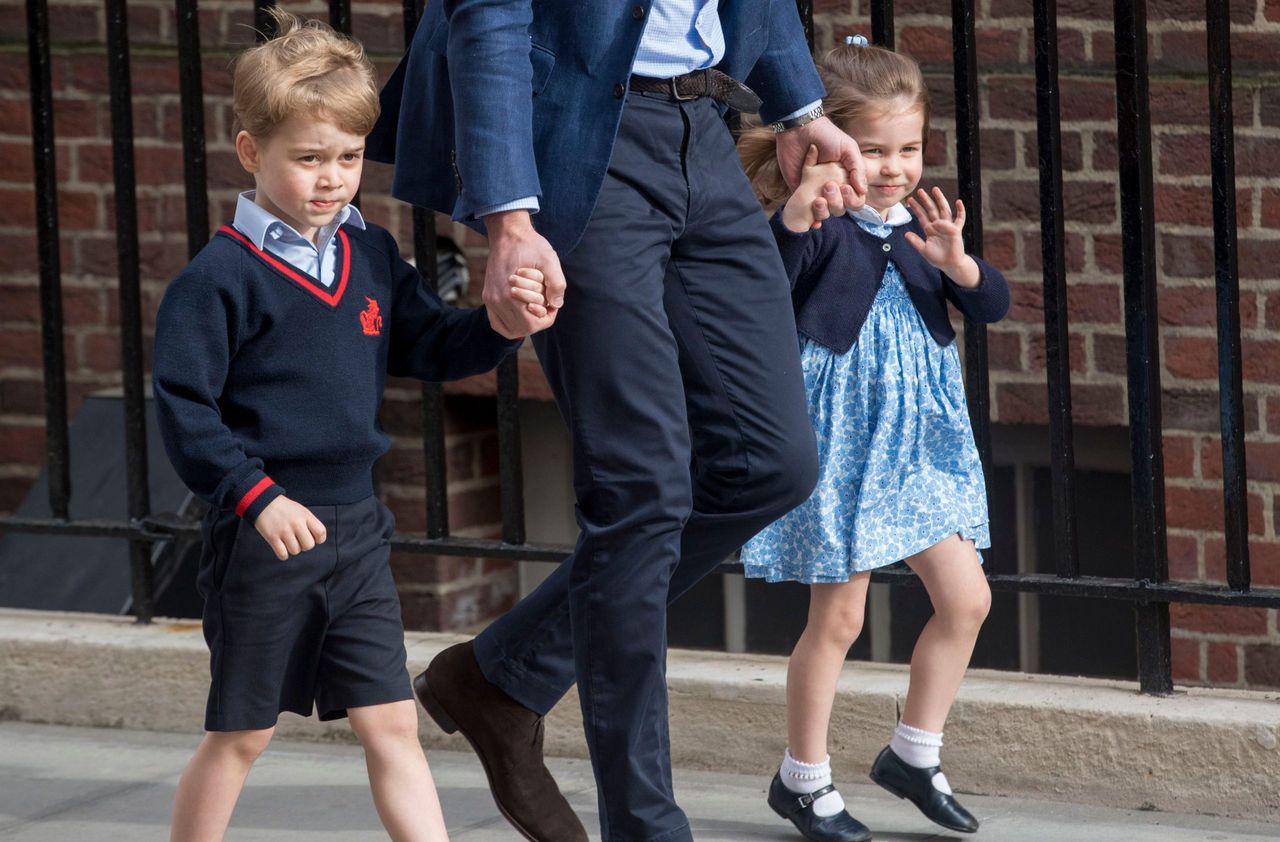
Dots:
{"x": 289, "y": 527}
{"x": 833, "y": 145}
{"x": 515, "y": 247}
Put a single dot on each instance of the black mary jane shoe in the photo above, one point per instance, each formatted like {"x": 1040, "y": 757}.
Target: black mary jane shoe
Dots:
{"x": 916, "y": 785}
{"x": 798, "y": 809}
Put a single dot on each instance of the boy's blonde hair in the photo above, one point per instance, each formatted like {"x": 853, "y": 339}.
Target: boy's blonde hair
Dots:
{"x": 306, "y": 68}
{"x": 860, "y": 82}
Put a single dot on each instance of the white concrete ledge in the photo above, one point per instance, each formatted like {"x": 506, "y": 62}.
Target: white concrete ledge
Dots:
{"x": 1090, "y": 741}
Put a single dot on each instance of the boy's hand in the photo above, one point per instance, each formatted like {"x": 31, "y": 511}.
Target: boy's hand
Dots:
{"x": 820, "y": 189}
{"x": 943, "y": 245}
{"x": 513, "y": 244}
{"x": 290, "y": 528}
{"x": 527, "y": 287}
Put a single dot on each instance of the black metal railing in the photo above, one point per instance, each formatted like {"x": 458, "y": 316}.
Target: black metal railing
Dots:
{"x": 1149, "y": 589}
{"x": 1062, "y": 459}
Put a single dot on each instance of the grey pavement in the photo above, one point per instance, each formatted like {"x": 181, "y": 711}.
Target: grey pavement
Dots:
{"x": 63, "y": 783}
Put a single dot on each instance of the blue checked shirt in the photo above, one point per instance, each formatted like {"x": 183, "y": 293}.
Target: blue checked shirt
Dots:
{"x": 269, "y": 233}
{"x": 679, "y": 36}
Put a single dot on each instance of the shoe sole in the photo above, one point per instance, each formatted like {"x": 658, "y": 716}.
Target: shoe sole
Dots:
{"x": 436, "y": 711}
{"x": 888, "y": 787}
{"x": 787, "y": 819}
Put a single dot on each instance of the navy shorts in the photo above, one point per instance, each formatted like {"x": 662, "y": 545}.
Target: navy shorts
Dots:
{"x": 323, "y": 627}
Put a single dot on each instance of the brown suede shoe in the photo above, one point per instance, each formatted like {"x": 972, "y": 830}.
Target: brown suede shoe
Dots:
{"x": 506, "y": 736}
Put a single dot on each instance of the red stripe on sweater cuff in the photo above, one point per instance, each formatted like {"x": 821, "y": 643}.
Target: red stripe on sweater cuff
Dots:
{"x": 247, "y": 500}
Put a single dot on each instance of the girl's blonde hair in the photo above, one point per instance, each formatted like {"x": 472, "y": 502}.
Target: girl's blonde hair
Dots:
{"x": 861, "y": 82}
{"x": 307, "y": 68}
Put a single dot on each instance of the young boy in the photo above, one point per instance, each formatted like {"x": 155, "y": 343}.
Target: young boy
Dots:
{"x": 272, "y": 348}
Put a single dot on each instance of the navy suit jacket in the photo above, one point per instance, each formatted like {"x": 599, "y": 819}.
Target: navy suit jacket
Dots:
{"x": 496, "y": 100}
{"x": 835, "y": 273}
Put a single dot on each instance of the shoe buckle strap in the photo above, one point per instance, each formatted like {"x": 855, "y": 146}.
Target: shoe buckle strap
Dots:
{"x": 807, "y": 799}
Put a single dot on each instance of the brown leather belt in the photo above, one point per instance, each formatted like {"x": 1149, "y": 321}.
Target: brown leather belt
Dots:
{"x": 702, "y": 83}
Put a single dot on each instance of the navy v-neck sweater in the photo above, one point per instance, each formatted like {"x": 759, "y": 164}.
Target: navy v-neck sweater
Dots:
{"x": 269, "y": 383}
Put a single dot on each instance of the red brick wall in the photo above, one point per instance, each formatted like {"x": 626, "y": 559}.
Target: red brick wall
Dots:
{"x": 1232, "y": 647}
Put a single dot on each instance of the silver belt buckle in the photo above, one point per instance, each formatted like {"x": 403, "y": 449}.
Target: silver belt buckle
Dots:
{"x": 680, "y": 97}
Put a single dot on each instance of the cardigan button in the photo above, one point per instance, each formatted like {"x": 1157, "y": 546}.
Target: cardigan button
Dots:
{"x": 887, "y": 247}
{"x": 637, "y": 12}
{"x": 619, "y": 89}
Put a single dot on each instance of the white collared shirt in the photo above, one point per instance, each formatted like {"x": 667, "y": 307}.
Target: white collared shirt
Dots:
{"x": 895, "y": 216}
{"x": 269, "y": 233}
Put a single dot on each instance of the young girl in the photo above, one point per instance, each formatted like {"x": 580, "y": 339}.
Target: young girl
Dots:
{"x": 900, "y": 476}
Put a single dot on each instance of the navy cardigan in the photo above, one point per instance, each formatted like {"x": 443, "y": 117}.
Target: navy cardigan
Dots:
{"x": 836, "y": 270}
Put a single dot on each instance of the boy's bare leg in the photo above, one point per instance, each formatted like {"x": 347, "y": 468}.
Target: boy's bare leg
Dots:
{"x": 403, "y": 791}
{"x": 211, "y": 783}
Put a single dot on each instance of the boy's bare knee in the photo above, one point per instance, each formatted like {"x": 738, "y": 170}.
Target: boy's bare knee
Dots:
{"x": 387, "y": 724}
{"x": 246, "y": 746}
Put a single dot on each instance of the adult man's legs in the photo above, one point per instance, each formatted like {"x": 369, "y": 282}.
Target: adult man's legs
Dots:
{"x": 636, "y": 360}
{"x": 729, "y": 309}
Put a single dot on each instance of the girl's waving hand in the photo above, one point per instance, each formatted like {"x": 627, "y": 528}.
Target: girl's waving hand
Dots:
{"x": 943, "y": 245}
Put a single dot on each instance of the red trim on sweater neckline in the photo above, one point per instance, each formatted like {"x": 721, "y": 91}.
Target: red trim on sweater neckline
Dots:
{"x": 304, "y": 281}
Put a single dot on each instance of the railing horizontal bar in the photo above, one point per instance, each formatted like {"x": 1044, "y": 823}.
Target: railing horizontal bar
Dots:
{"x": 163, "y": 527}
{"x": 1139, "y": 591}
{"x": 1132, "y": 590}
{"x": 90, "y": 527}
{"x": 481, "y": 548}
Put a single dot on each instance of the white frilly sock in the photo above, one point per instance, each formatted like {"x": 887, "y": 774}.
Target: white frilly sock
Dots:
{"x": 810, "y": 777}
{"x": 921, "y": 749}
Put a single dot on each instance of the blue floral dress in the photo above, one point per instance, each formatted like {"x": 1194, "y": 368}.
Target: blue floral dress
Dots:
{"x": 898, "y": 467}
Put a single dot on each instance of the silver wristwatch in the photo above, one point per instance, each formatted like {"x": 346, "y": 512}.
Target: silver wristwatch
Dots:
{"x": 796, "y": 122}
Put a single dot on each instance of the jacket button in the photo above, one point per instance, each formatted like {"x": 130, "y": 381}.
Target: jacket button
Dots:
{"x": 887, "y": 247}
{"x": 637, "y": 12}
{"x": 619, "y": 89}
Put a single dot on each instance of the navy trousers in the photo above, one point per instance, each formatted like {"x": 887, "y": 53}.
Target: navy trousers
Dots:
{"x": 676, "y": 366}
